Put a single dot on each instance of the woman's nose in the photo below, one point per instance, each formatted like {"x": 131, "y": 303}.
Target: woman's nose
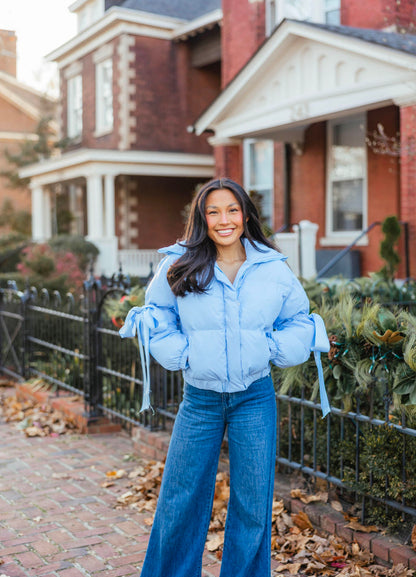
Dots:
{"x": 223, "y": 217}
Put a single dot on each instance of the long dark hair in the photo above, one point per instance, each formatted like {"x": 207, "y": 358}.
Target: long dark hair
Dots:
{"x": 193, "y": 271}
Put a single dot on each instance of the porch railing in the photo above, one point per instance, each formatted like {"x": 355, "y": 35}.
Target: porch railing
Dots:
{"x": 139, "y": 263}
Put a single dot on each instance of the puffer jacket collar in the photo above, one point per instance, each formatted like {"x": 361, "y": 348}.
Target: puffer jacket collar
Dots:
{"x": 253, "y": 256}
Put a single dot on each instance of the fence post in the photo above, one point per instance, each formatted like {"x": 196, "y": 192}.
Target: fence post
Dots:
{"x": 93, "y": 390}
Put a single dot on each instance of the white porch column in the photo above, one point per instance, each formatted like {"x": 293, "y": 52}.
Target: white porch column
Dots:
{"x": 101, "y": 221}
{"x": 37, "y": 214}
{"x": 110, "y": 224}
{"x": 47, "y": 215}
{"x": 41, "y": 214}
{"x": 95, "y": 212}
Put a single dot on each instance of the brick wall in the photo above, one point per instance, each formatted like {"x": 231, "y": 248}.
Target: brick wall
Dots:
{"x": 155, "y": 209}
{"x": 164, "y": 104}
{"x": 400, "y": 14}
{"x": 308, "y": 179}
{"x": 172, "y": 99}
{"x": 229, "y": 162}
{"x": 243, "y": 31}
{"x": 408, "y": 176}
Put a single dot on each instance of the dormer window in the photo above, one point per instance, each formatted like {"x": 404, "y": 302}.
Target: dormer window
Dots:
{"x": 322, "y": 11}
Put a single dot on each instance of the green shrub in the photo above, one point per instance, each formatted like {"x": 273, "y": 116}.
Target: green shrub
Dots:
{"x": 84, "y": 250}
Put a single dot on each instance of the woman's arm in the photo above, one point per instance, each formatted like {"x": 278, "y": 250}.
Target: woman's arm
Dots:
{"x": 168, "y": 344}
{"x": 296, "y": 333}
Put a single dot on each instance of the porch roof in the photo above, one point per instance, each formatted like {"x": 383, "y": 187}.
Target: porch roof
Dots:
{"x": 306, "y": 72}
{"x": 85, "y": 162}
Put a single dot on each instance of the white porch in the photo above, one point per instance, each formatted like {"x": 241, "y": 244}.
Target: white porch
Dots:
{"x": 99, "y": 169}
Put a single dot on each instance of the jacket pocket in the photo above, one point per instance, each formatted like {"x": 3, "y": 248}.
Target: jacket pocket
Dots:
{"x": 207, "y": 356}
{"x": 255, "y": 351}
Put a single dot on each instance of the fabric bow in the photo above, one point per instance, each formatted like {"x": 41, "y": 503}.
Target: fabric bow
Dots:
{"x": 140, "y": 321}
{"x": 321, "y": 344}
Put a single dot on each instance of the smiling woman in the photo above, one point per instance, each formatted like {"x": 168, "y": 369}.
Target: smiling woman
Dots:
{"x": 222, "y": 306}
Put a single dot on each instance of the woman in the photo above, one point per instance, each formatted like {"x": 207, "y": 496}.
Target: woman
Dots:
{"x": 222, "y": 306}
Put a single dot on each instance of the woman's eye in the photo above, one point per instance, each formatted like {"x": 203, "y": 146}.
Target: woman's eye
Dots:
{"x": 211, "y": 213}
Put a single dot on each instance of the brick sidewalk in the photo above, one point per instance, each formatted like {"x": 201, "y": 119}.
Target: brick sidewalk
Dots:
{"x": 57, "y": 520}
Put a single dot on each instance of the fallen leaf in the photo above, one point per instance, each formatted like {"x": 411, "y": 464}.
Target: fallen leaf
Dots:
{"x": 116, "y": 474}
{"x": 363, "y": 528}
{"x": 299, "y": 494}
{"x": 148, "y": 521}
{"x": 302, "y": 520}
{"x": 37, "y": 519}
{"x": 214, "y": 542}
{"x": 414, "y": 537}
{"x": 337, "y": 506}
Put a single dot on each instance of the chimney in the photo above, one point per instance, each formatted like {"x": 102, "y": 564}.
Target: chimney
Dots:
{"x": 8, "y": 52}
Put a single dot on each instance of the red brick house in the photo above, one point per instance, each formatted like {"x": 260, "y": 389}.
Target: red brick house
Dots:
{"x": 137, "y": 73}
{"x": 21, "y": 109}
{"x": 286, "y": 95}
{"x": 317, "y": 110}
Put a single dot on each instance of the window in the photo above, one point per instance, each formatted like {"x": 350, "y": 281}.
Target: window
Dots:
{"x": 347, "y": 169}
{"x": 332, "y": 11}
{"x": 75, "y": 106}
{"x": 104, "y": 96}
{"x": 322, "y": 11}
{"x": 258, "y": 174}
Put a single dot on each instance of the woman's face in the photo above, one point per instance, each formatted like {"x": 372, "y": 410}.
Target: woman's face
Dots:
{"x": 224, "y": 218}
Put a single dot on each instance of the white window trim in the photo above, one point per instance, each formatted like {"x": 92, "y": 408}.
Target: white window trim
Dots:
{"x": 246, "y": 171}
{"x": 343, "y": 237}
{"x": 100, "y": 128}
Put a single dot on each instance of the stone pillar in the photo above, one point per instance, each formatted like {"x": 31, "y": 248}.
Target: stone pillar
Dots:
{"x": 408, "y": 176}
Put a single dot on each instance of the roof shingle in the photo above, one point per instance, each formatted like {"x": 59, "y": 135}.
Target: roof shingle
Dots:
{"x": 183, "y": 9}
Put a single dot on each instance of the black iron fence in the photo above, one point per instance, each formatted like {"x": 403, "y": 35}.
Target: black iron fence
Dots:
{"x": 72, "y": 344}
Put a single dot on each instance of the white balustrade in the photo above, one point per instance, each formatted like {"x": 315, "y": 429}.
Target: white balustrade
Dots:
{"x": 138, "y": 262}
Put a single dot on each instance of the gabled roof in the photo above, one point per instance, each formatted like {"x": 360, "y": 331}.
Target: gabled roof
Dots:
{"x": 306, "y": 72}
{"x": 184, "y": 9}
{"x": 403, "y": 42}
{"x": 30, "y": 101}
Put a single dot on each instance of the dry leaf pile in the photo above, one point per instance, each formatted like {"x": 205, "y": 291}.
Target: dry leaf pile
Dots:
{"x": 35, "y": 419}
{"x": 298, "y": 547}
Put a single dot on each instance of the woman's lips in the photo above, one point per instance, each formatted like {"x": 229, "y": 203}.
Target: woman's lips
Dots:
{"x": 225, "y": 231}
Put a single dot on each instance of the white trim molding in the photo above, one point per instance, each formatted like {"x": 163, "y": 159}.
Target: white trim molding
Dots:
{"x": 115, "y": 22}
{"x": 85, "y": 162}
{"x": 204, "y": 22}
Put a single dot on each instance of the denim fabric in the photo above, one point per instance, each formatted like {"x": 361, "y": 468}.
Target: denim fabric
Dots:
{"x": 185, "y": 502}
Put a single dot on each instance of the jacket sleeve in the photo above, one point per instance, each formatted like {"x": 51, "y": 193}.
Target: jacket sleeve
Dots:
{"x": 296, "y": 332}
{"x": 168, "y": 344}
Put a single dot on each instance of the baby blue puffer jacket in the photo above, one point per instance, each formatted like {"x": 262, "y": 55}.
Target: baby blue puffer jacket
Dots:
{"x": 225, "y": 338}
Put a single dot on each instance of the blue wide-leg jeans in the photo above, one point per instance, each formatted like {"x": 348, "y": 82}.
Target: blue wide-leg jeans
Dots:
{"x": 185, "y": 501}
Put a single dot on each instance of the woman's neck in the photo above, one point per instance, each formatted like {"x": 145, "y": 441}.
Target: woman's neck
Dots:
{"x": 231, "y": 254}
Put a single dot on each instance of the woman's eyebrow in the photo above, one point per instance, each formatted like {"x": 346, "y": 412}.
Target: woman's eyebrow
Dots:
{"x": 213, "y": 205}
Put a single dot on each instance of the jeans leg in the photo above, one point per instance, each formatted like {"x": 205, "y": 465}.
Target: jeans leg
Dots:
{"x": 184, "y": 507}
{"x": 252, "y": 451}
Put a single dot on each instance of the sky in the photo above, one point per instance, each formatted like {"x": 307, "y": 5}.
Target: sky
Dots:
{"x": 41, "y": 26}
